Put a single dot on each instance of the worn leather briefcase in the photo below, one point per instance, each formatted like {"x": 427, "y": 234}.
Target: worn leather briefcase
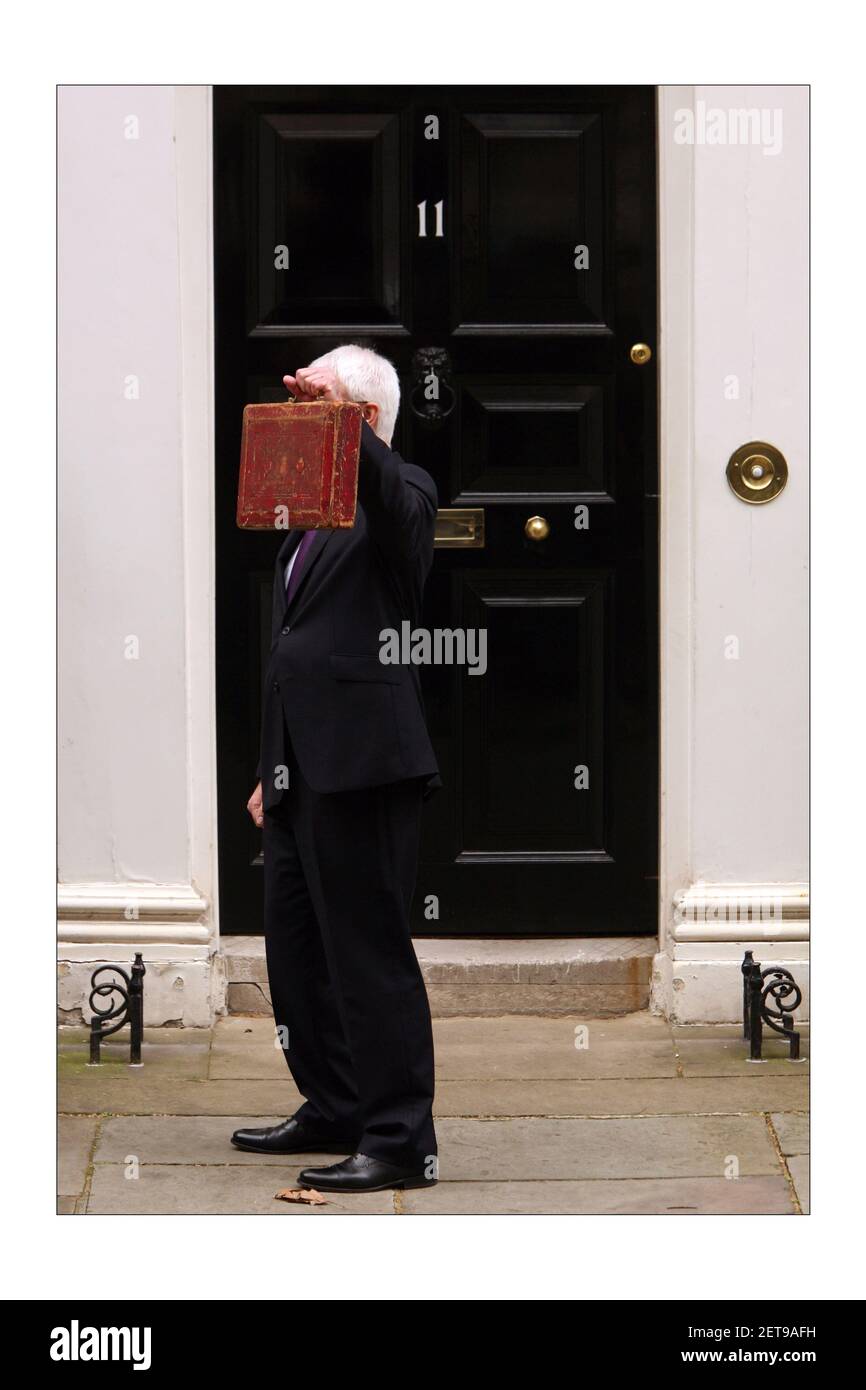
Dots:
{"x": 299, "y": 466}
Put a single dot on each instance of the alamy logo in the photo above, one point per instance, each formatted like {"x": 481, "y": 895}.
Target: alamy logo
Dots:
{"x": 440, "y": 646}
{"x": 76, "y": 1343}
{"x": 717, "y": 125}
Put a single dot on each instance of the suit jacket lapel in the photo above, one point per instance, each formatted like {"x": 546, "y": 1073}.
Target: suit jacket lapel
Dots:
{"x": 311, "y": 561}
{"x": 292, "y": 540}
{"x": 279, "y": 603}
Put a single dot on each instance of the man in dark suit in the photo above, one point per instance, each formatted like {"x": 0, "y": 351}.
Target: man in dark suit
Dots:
{"x": 346, "y": 761}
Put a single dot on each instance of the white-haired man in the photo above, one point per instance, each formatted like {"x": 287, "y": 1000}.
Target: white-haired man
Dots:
{"x": 341, "y": 842}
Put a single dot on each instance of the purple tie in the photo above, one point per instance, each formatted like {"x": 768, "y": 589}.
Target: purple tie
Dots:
{"x": 297, "y": 568}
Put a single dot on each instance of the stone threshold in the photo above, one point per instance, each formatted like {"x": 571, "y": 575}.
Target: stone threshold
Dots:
{"x": 594, "y": 976}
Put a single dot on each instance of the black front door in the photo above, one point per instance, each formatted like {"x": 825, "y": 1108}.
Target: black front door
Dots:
{"x": 498, "y": 245}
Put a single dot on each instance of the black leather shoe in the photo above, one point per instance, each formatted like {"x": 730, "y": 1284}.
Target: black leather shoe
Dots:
{"x": 291, "y": 1137}
{"x": 362, "y": 1174}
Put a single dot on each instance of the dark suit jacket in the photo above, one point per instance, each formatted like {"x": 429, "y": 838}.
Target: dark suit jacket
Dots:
{"x": 353, "y": 722}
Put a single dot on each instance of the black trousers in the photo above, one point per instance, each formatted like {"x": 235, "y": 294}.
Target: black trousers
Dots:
{"x": 345, "y": 982}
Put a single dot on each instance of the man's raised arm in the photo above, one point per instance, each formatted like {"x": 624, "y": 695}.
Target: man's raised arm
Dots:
{"x": 399, "y": 500}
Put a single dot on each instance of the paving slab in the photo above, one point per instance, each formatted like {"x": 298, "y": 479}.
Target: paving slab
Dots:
{"x": 472, "y": 1048}
{"x": 719, "y": 1056}
{"x": 792, "y": 1132}
{"x": 233, "y": 1029}
{"x": 186, "y": 1061}
{"x": 649, "y": 1096}
{"x": 66, "y": 1206}
{"x": 798, "y": 1167}
{"x": 516, "y": 1028}
{"x": 767, "y": 1196}
{"x": 557, "y": 1059}
{"x": 649, "y": 1147}
{"x": 723, "y": 1030}
{"x": 496, "y": 1057}
{"x": 548, "y": 1048}
{"x": 156, "y": 1095}
{"x": 654, "y": 1146}
{"x": 229, "y": 1190}
{"x": 187, "y": 1139}
{"x": 75, "y": 1135}
{"x": 611, "y": 1096}
{"x": 507, "y": 1026}
{"x": 75, "y": 1034}
{"x": 240, "y": 1060}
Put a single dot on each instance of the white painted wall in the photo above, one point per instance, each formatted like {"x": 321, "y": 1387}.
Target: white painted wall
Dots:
{"x": 750, "y": 576}
{"x": 123, "y": 796}
{"x": 734, "y": 301}
{"x": 135, "y": 563}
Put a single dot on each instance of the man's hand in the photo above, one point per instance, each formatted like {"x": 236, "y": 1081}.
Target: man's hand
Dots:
{"x": 254, "y": 806}
{"x": 315, "y": 384}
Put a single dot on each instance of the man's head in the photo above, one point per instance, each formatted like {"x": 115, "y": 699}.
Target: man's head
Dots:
{"x": 370, "y": 379}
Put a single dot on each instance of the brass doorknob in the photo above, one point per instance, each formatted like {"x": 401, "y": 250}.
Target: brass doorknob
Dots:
{"x": 641, "y": 354}
{"x": 537, "y": 528}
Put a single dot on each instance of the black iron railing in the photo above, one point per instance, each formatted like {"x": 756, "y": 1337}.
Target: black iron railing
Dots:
{"x": 129, "y": 1008}
{"x": 770, "y": 997}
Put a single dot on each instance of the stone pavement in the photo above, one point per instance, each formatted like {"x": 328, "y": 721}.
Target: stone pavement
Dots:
{"x": 643, "y": 1117}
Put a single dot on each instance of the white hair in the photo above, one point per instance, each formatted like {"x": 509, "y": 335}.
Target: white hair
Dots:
{"x": 367, "y": 377}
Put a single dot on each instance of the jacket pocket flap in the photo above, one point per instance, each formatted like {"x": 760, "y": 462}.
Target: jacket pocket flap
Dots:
{"x": 365, "y": 668}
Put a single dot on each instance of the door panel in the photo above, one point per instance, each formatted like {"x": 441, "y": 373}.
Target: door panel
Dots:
{"x": 532, "y": 189}
{"x": 523, "y": 723}
{"x": 443, "y": 225}
{"x": 547, "y": 433}
{"x": 328, "y": 190}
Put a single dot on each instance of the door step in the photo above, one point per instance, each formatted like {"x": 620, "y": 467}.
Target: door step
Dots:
{"x": 595, "y": 976}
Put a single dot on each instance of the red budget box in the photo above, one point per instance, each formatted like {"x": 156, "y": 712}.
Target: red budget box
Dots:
{"x": 299, "y": 465}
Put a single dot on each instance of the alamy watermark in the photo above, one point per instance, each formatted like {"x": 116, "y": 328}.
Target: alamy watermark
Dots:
{"x": 438, "y": 646}
{"x": 767, "y": 910}
{"x": 77, "y": 1343}
{"x": 717, "y": 125}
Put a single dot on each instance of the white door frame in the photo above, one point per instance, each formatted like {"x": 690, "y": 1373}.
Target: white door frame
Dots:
{"x": 733, "y": 281}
